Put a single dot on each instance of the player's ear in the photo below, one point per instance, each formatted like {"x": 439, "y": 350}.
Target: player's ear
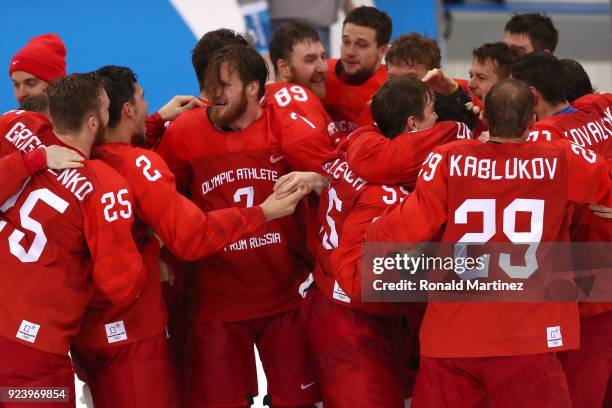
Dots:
{"x": 283, "y": 68}
{"x": 253, "y": 88}
{"x": 382, "y": 50}
{"x": 92, "y": 123}
{"x": 410, "y": 124}
{"x": 127, "y": 109}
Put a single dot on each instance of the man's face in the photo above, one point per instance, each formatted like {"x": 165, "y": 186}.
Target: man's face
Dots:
{"x": 359, "y": 51}
{"x": 308, "y": 67}
{"x": 415, "y": 70}
{"x": 521, "y": 42}
{"x": 25, "y": 85}
{"x": 229, "y": 98}
{"x": 102, "y": 116}
{"x": 429, "y": 115}
{"x": 482, "y": 77}
{"x": 140, "y": 107}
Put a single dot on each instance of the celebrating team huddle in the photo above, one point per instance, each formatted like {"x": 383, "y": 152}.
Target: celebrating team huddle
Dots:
{"x": 148, "y": 255}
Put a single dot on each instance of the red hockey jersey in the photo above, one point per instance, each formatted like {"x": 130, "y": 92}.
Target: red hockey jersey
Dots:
{"x": 257, "y": 275}
{"x": 182, "y": 226}
{"x": 397, "y": 161}
{"x": 345, "y": 103}
{"x": 495, "y": 182}
{"x": 58, "y": 233}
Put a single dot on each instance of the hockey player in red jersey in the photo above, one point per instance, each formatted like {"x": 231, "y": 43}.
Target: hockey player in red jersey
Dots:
{"x": 231, "y": 154}
{"x": 299, "y": 58}
{"x": 139, "y": 341}
{"x": 588, "y": 369}
{"x": 356, "y": 76}
{"x": 496, "y": 352}
{"x": 52, "y": 253}
{"x": 363, "y": 349}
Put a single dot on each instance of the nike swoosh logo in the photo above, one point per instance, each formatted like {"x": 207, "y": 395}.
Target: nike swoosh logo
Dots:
{"x": 303, "y": 387}
{"x": 276, "y": 159}
{"x": 14, "y": 62}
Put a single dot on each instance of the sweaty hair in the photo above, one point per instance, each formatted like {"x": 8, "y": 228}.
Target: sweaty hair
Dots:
{"x": 371, "y": 17}
{"x": 286, "y": 37}
{"x": 413, "y": 49}
{"x": 538, "y": 27}
{"x": 544, "y": 72}
{"x": 73, "y": 99}
{"x": 577, "y": 81}
{"x": 509, "y": 108}
{"x": 397, "y": 100}
{"x": 210, "y": 43}
{"x": 245, "y": 60}
{"x": 500, "y": 54}
{"x": 120, "y": 87}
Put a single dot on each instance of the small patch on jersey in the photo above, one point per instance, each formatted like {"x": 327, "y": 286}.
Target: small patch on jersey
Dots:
{"x": 553, "y": 336}
{"x": 28, "y": 331}
{"x": 115, "y": 331}
{"x": 339, "y": 294}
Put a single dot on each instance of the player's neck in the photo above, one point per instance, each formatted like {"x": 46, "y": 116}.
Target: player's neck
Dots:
{"x": 250, "y": 115}
{"x": 79, "y": 141}
{"x": 118, "y": 134}
{"x": 497, "y": 139}
{"x": 546, "y": 110}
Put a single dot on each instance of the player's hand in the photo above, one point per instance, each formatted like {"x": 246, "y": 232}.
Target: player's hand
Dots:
{"x": 289, "y": 183}
{"x": 276, "y": 208}
{"x": 178, "y": 105}
{"x": 473, "y": 108}
{"x": 438, "y": 82}
{"x": 601, "y": 211}
{"x": 59, "y": 157}
{"x": 165, "y": 273}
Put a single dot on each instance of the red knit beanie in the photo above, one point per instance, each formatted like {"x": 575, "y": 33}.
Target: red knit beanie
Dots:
{"x": 43, "y": 56}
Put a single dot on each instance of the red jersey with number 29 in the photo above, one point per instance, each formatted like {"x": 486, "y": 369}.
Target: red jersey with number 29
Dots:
{"x": 476, "y": 191}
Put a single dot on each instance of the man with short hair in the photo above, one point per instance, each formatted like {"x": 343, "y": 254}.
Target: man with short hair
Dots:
{"x": 501, "y": 354}
{"x": 356, "y": 76}
{"x": 491, "y": 63}
{"x": 361, "y": 349}
{"x": 531, "y": 32}
{"x": 412, "y": 54}
{"x": 298, "y": 57}
{"x": 39, "y": 62}
{"x": 231, "y": 153}
{"x": 55, "y": 254}
{"x": 557, "y": 119}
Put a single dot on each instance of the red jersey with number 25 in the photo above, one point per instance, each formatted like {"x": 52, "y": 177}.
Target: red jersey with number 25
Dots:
{"x": 58, "y": 233}
{"x": 479, "y": 192}
{"x": 187, "y": 231}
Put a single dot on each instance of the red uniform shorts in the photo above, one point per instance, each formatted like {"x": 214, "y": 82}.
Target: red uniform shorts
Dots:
{"x": 221, "y": 369}
{"x": 138, "y": 374}
{"x": 589, "y": 368}
{"x": 362, "y": 360}
{"x": 22, "y": 366}
{"x": 535, "y": 380}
